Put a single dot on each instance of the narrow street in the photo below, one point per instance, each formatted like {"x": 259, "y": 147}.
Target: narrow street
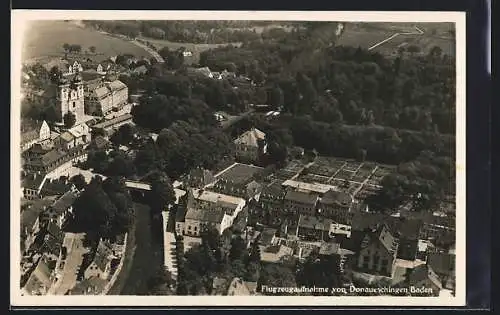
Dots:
{"x": 76, "y": 251}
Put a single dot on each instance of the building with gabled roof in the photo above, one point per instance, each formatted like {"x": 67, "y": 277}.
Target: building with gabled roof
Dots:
{"x": 107, "y": 97}
{"x": 40, "y": 279}
{"x": 336, "y": 205}
{"x": 205, "y": 209}
{"x": 300, "y": 202}
{"x": 251, "y": 144}
{"x": 313, "y": 228}
{"x": 100, "y": 265}
{"x": 423, "y": 276}
{"x": 377, "y": 251}
{"x": 33, "y": 132}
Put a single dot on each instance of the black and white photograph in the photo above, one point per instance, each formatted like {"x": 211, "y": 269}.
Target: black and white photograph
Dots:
{"x": 245, "y": 158}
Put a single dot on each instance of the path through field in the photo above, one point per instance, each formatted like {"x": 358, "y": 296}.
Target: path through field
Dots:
{"x": 417, "y": 32}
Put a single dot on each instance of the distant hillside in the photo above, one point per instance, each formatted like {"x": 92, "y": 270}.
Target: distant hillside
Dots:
{"x": 46, "y": 38}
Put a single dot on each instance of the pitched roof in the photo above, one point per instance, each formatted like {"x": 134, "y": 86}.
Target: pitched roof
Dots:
{"x": 251, "y": 138}
{"x": 101, "y": 92}
{"x": 33, "y": 181}
{"x": 275, "y": 253}
{"x": 31, "y": 213}
{"x": 386, "y": 239}
{"x": 423, "y": 272}
{"x": 39, "y": 280}
{"x": 64, "y": 202}
{"x": 273, "y": 190}
{"x": 56, "y": 186}
{"x": 301, "y": 197}
{"x": 442, "y": 263}
{"x": 238, "y": 287}
{"x": 116, "y": 85}
{"x": 333, "y": 197}
{"x": 316, "y": 223}
{"x": 205, "y": 215}
{"x": 213, "y": 197}
{"x": 364, "y": 220}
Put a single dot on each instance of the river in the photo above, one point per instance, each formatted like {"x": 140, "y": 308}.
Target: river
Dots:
{"x": 148, "y": 254}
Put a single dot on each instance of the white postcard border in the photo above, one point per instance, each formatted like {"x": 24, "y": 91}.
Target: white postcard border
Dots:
{"x": 18, "y": 22}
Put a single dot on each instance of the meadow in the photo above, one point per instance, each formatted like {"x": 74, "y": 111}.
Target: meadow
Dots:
{"x": 366, "y": 35}
{"x": 44, "y": 39}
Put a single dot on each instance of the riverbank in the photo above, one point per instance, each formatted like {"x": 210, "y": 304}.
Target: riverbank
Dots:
{"x": 128, "y": 258}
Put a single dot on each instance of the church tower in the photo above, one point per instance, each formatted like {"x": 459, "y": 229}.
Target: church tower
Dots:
{"x": 70, "y": 98}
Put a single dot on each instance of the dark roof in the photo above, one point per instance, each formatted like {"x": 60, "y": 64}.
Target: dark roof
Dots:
{"x": 204, "y": 175}
{"x": 442, "y": 263}
{"x": 365, "y": 220}
{"x": 31, "y": 213}
{"x": 32, "y": 181}
{"x": 180, "y": 214}
{"x": 410, "y": 229}
{"x": 386, "y": 239}
{"x": 336, "y": 197}
{"x": 423, "y": 272}
{"x": 206, "y": 215}
{"x": 54, "y": 230}
{"x": 274, "y": 189}
{"x": 240, "y": 173}
{"x": 301, "y": 197}
{"x": 57, "y": 187}
{"x": 64, "y": 202}
{"x": 100, "y": 142}
{"x": 316, "y": 223}
{"x": 267, "y": 235}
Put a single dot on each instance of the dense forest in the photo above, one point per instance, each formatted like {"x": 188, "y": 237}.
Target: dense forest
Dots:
{"x": 197, "y": 32}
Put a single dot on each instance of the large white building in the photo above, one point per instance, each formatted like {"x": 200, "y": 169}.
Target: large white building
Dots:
{"x": 105, "y": 98}
{"x": 208, "y": 209}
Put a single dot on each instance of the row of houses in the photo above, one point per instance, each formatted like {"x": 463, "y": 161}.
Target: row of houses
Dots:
{"x": 46, "y": 249}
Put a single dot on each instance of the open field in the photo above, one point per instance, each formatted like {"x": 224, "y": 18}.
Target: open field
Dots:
{"x": 46, "y": 38}
{"x": 366, "y": 35}
{"x": 196, "y": 49}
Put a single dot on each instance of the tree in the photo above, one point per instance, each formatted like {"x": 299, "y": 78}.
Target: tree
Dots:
{"x": 92, "y": 49}
{"x": 66, "y": 47}
{"x": 55, "y": 75}
{"x": 162, "y": 193}
{"x": 79, "y": 181}
{"x": 69, "y": 120}
{"x": 274, "y": 275}
{"x": 277, "y": 97}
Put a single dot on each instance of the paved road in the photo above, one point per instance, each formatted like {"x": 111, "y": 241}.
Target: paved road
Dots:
{"x": 74, "y": 259}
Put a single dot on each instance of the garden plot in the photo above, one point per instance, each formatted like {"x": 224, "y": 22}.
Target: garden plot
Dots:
{"x": 323, "y": 170}
{"x": 343, "y": 174}
{"x": 284, "y": 175}
{"x": 366, "y": 191}
{"x": 352, "y": 166}
{"x": 311, "y": 178}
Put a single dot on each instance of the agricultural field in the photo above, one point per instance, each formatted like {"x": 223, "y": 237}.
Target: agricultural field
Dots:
{"x": 366, "y": 35}
{"x": 45, "y": 39}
